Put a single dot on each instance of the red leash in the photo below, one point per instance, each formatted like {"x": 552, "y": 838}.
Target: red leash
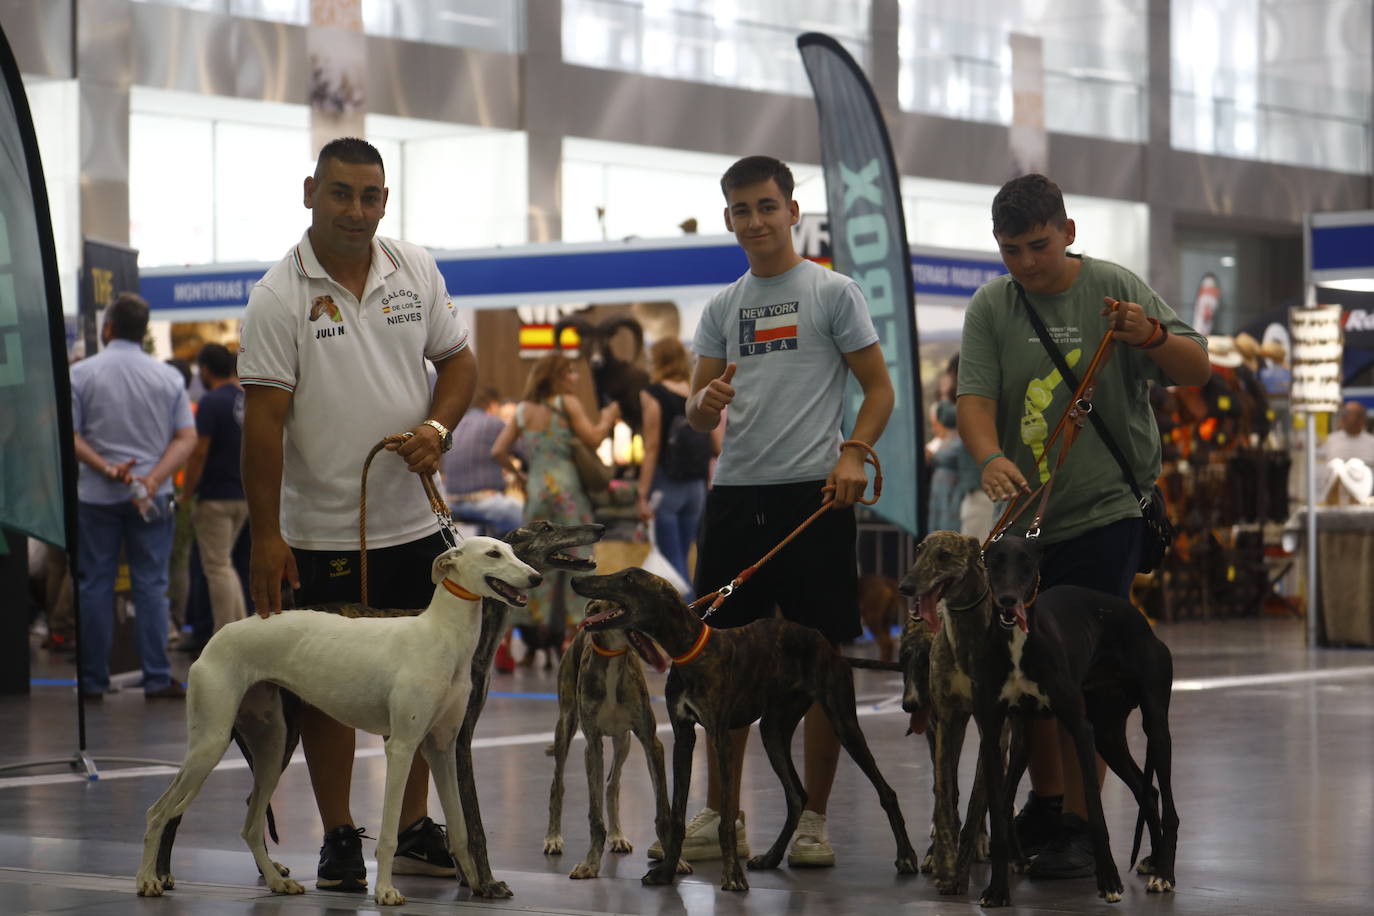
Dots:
{"x": 717, "y": 597}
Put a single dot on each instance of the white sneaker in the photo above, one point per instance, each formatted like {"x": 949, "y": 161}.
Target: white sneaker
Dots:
{"x": 701, "y": 841}
{"x": 810, "y": 845}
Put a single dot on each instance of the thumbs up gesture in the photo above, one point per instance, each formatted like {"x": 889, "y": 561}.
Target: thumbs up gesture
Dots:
{"x": 718, "y": 393}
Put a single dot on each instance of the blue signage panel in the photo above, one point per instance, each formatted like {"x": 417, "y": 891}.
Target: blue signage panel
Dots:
{"x": 200, "y": 290}
{"x": 1342, "y": 247}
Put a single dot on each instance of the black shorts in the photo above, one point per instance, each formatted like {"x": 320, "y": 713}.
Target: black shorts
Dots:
{"x": 814, "y": 579}
{"x": 397, "y": 577}
{"x": 1104, "y": 558}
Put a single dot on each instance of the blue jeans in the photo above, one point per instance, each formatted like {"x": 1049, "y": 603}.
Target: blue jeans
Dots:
{"x": 147, "y": 549}
{"x": 677, "y": 519}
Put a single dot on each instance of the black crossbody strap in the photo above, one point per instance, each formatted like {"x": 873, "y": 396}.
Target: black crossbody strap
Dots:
{"x": 1068, "y": 374}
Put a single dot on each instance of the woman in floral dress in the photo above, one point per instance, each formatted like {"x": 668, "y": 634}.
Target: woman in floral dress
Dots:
{"x": 546, "y": 419}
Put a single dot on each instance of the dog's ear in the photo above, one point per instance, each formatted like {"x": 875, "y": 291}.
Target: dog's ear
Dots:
{"x": 443, "y": 563}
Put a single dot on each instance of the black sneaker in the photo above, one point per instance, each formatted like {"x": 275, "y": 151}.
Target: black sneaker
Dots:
{"x": 341, "y": 861}
{"x": 1037, "y": 823}
{"x": 422, "y": 849}
{"x": 1068, "y": 855}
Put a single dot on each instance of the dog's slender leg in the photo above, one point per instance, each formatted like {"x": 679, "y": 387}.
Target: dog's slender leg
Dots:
{"x": 776, "y": 729}
{"x": 973, "y": 829}
{"x": 495, "y": 617}
{"x": 210, "y": 704}
{"x": 1018, "y": 757}
{"x": 1109, "y": 884}
{"x": 1159, "y": 750}
{"x": 399, "y": 755}
{"x": 684, "y": 741}
{"x": 932, "y": 737}
{"x": 644, "y": 730}
{"x": 562, "y": 738}
{"x": 989, "y": 716}
{"x": 615, "y": 838}
{"x": 1114, "y": 749}
{"x": 839, "y": 704}
{"x": 440, "y": 754}
{"x": 590, "y": 866}
{"x": 732, "y": 876}
{"x": 949, "y": 742}
{"x": 265, "y": 739}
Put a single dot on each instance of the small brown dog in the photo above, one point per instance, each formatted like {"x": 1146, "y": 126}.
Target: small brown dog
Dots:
{"x": 880, "y": 609}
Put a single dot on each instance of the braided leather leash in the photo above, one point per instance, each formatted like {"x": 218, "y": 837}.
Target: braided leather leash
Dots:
{"x": 717, "y": 597}
{"x": 437, "y": 505}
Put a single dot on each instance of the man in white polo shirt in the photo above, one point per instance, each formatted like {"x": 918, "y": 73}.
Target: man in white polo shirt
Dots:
{"x": 332, "y": 360}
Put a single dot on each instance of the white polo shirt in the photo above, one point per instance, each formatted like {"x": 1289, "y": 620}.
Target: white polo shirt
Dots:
{"x": 356, "y": 372}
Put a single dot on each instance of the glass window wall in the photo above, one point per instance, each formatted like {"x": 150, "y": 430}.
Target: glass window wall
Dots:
{"x": 1273, "y": 80}
{"x": 53, "y": 105}
{"x": 746, "y": 43}
{"x": 955, "y": 62}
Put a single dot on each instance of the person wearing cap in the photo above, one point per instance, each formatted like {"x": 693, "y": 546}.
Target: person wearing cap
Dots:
{"x": 1010, "y": 395}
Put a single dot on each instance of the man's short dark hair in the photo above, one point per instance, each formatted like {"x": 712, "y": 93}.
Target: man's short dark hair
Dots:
{"x": 349, "y": 150}
{"x": 128, "y": 317}
{"x": 217, "y": 360}
{"x": 753, "y": 170}
{"x": 1026, "y": 202}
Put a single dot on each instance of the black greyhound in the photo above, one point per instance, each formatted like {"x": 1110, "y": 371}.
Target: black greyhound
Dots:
{"x": 1087, "y": 658}
{"x": 769, "y": 671}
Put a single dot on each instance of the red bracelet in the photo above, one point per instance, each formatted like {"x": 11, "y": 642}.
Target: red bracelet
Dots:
{"x": 1150, "y": 343}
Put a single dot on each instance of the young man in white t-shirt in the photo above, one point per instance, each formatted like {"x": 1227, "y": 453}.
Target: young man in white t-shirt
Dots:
{"x": 776, "y": 347}
{"x": 332, "y": 360}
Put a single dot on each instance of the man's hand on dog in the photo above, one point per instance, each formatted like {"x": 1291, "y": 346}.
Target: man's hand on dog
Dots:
{"x": 421, "y": 450}
{"x": 271, "y": 562}
{"x": 1002, "y": 479}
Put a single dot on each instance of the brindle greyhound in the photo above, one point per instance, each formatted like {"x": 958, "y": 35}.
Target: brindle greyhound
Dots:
{"x": 602, "y": 685}
{"x": 941, "y": 651}
{"x": 1087, "y": 658}
{"x": 769, "y": 671}
{"x": 539, "y": 544}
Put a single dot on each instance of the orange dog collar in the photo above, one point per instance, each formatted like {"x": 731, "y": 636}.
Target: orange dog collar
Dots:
{"x": 607, "y": 653}
{"x": 455, "y": 589}
{"x": 697, "y": 646}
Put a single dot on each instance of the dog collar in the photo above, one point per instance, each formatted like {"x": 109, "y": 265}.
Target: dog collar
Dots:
{"x": 974, "y": 603}
{"x": 455, "y": 589}
{"x": 697, "y": 646}
{"x": 607, "y": 653}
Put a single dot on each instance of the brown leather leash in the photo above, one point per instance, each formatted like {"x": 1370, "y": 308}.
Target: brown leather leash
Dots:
{"x": 437, "y": 505}
{"x": 1070, "y": 425}
{"x": 717, "y": 597}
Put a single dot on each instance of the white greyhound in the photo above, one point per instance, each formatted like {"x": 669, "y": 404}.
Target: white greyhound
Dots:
{"x": 407, "y": 678}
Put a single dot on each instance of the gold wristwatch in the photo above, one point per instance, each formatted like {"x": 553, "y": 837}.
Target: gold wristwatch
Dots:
{"x": 445, "y": 434}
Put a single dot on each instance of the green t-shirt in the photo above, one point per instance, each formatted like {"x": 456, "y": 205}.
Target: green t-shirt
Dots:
{"x": 1001, "y": 357}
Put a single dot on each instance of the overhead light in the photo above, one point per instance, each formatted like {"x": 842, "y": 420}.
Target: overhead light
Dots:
{"x": 1228, "y": 261}
{"x": 481, "y": 22}
{"x": 1355, "y": 284}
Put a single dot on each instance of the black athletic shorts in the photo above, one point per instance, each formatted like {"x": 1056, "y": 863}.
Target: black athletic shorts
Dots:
{"x": 1104, "y": 558}
{"x": 397, "y": 577}
{"x": 814, "y": 579}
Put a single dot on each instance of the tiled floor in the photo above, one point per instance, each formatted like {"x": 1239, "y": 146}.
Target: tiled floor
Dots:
{"x": 1274, "y": 769}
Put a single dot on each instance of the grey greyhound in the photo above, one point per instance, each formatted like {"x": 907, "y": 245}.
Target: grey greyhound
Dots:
{"x": 769, "y": 671}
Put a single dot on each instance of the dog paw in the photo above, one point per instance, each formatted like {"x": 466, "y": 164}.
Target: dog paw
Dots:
{"x": 1159, "y": 885}
{"x": 907, "y": 865}
{"x": 1020, "y": 866}
{"x": 285, "y": 886}
{"x": 282, "y": 869}
{"x": 927, "y": 864}
{"x": 1111, "y": 894}
{"x": 734, "y": 883}
{"x": 1145, "y": 866}
{"x": 496, "y": 889}
{"x": 657, "y": 876}
{"x": 619, "y": 844}
{"x": 947, "y": 886}
{"x": 168, "y": 882}
{"x": 762, "y": 862}
{"x": 149, "y": 887}
{"x": 583, "y": 870}
{"x": 684, "y": 867}
{"x": 995, "y": 897}
{"x": 553, "y": 844}
{"x": 388, "y": 896}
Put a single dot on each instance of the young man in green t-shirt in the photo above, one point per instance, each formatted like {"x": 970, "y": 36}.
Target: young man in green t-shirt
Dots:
{"x": 1011, "y": 395}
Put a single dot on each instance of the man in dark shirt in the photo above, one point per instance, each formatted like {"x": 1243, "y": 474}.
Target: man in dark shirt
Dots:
{"x": 212, "y": 475}
{"x": 475, "y": 483}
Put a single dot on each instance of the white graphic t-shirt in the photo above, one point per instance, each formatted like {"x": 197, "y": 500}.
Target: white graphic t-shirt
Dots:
{"x": 788, "y": 334}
